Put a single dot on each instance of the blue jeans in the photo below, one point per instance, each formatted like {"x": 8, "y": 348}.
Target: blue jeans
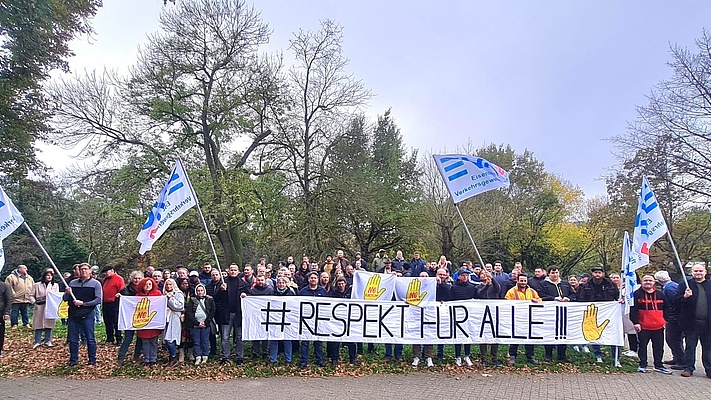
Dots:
{"x": 201, "y": 341}
{"x": 20, "y": 308}
{"x": 127, "y": 339}
{"x": 83, "y": 326}
{"x": 47, "y": 335}
{"x": 389, "y": 351}
{"x": 172, "y": 348}
{"x": 150, "y": 349}
{"x": 693, "y": 337}
{"x": 318, "y": 349}
{"x": 235, "y": 327}
{"x": 274, "y": 347}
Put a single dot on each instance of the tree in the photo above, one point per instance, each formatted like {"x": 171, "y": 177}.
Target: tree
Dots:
{"x": 35, "y": 36}
{"x": 675, "y": 124}
{"x": 324, "y": 98}
{"x": 199, "y": 86}
{"x": 373, "y": 187}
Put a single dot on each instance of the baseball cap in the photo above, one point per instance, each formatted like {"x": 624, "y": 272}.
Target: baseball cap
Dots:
{"x": 193, "y": 273}
{"x": 597, "y": 268}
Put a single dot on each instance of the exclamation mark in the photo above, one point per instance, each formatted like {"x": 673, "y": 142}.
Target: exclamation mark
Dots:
{"x": 557, "y": 322}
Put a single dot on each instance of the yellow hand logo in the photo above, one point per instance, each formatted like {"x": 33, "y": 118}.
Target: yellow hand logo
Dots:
{"x": 591, "y": 330}
{"x": 372, "y": 289}
{"x": 414, "y": 297}
{"x": 63, "y": 310}
{"x": 142, "y": 316}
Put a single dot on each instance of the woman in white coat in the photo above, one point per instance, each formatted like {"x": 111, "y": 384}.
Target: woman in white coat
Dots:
{"x": 176, "y": 306}
{"x": 38, "y": 297}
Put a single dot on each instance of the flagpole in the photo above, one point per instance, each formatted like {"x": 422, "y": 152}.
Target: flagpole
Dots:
{"x": 466, "y": 228}
{"x": 678, "y": 260}
{"x": 204, "y": 223}
{"x": 46, "y": 255}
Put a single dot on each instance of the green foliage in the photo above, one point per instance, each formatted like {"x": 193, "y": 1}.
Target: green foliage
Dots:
{"x": 35, "y": 36}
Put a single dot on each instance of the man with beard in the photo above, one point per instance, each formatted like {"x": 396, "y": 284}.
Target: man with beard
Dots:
{"x": 598, "y": 288}
{"x": 522, "y": 292}
{"x": 340, "y": 290}
{"x": 260, "y": 348}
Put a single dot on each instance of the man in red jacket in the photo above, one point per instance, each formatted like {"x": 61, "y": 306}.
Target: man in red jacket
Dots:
{"x": 112, "y": 284}
{"x": 647, "y": 315}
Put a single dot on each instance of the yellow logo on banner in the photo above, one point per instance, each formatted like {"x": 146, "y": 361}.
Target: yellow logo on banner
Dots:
{"x": 372, "y": 289}
{"x": 143, "y": 315}
{"x": 591, "y": 330}
{"x": 414, "y": 297}
{"x": 63, "y": 309}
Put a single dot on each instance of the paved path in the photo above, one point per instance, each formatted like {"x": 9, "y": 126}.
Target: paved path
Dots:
{"x": 428, "y": 386}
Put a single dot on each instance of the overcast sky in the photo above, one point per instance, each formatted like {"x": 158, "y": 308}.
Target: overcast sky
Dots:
{"x": 555, "y": 77}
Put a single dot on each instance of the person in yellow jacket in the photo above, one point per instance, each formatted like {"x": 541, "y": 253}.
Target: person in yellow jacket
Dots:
{"x": 21, "y": 284}
{"x": 522, "y": 292}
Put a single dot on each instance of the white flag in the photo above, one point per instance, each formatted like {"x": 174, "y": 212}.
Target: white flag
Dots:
{"x": 630, "y": 277}
{"x": 416, "y": 290}
{"x": 174, "y": 200}
{"x": 648, "y": 227}
{"x": 372, "y": 286}
{"x": 142, "y": 312}
{"x": 467, "y": 176}
{"x": 10, "y": 219}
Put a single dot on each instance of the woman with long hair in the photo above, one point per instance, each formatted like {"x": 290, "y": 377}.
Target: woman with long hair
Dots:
{"x": 38, "y": 297}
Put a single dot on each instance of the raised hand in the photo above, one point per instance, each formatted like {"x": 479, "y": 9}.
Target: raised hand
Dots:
{"x": 414, "y": 297}
{"x": 372, "y": 289}
{"x": 142, "y": 316}
{"x": 591, "y": 330}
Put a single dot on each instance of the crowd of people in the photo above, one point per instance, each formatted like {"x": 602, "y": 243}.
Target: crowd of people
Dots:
{"x": 205, "y": 305}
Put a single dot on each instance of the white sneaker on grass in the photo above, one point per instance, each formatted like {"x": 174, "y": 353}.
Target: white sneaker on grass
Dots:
{"x": 468, "y": 361}
{"x": 458, "y": 361}
{"x": 430, "y": 364}
{"x": 416, "y": 361}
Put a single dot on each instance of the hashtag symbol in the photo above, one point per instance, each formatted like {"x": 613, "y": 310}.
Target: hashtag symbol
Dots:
{"x": 269, "y": 311}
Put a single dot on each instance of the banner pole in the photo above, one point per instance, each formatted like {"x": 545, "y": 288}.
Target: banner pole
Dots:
{"x": 466, "y": 228}
{"x": 46, "y": 255}
{"x": 204, "y": 223}
{"x": 678, "y": 260}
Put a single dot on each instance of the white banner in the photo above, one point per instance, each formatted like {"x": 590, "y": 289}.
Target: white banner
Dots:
{"x": 174, "y": 200}
{"x": 2, "y": 257}
{"x": 372, "y": 286}
{"x": 466, "y": 176}
{"x": 142, "y": 312}
{"x": 648, "y": 227}
{"x": 467, "y": 321}
{"x": 416, "y": 290}
{"x": 56, "y": 308}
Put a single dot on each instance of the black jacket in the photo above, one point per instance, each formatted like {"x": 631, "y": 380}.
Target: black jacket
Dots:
{"x": 687, "y": 307}
{"x": 463, "y": 291}
{"x": 549, "y": 290}
{"x": 492, "y": 291}
{"x": 191, "y": 309}
{"x": 605, "y": 291}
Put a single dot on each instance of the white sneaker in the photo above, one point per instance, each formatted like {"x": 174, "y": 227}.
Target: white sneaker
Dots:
{"x": 630, "y": 353}
{"x": 598, "y": 360}
{"x": 430, "y": 364}
{"x": 416, "y": 361}
{"x": 586, "y": 349}
{"x": 617, "y": 364}
{"x": 458, "y": 361}
{"x": 204, "y": 359}
{"x": 468, "y": 361}
{"x": 198, "y": 360}
{"x": 49, "y": 344}
{"x": 36, "y": 345}
{"x": 576, "y": 348}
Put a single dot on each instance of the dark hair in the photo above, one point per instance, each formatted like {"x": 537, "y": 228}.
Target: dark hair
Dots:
{"x": 552, "y": 268}
{"x": 522, "y": 274}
